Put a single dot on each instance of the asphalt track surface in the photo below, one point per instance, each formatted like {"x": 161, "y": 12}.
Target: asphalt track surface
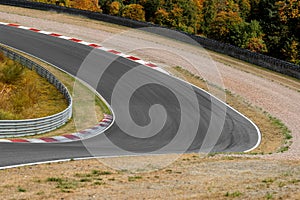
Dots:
{"x": 168, "y": 115}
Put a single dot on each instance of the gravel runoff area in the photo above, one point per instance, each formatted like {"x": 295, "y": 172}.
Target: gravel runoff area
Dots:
{"x": 275, "y": 94}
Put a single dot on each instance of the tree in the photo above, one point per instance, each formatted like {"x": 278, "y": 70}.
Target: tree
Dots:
{"x": 150, "y": 7}
{"x": 276, "y": 32}
{"x": 222, "y": 24}
{"x": 162, "y": 17}
{"x": 91, "y": 5}
{"x": 291, "y": 51}
{"x": 245, "y": 8}
{"x": 114, "y": 8}
{"x": 105, "y": 5}
{"x": 249, "y": 36}
{"x": 289, "y": 15}
{"x": 199, "y": 15}
{"x": 134, "y": 11}
{"x": 181, "y": 14}
{"x": 256, "y": 45}
{"x": 209, "y": 13}
{"x": 289, "y": 9}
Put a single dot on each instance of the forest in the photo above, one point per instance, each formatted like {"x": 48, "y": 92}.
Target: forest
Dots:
{"x": 270, "y": 27}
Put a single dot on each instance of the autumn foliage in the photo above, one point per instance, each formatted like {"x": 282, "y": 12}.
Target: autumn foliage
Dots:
{"x": 91, "y": 5}
{"x": 26, "y": 95}
{"x": 134, "y": 11}
{"x": 271, "y": 27}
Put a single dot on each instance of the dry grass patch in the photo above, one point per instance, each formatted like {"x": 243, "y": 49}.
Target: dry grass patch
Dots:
{"x": 25, "y": 94}
{"x": 189, "y": 177}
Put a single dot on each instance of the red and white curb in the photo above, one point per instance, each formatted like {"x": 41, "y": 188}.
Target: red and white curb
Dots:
{"x": 93, "y": 45}
{"x": 81, "y": 135}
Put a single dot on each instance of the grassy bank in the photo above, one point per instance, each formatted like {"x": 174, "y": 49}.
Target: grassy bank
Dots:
{"x": 88, "y": 108}
{"x": 25, "y": 94}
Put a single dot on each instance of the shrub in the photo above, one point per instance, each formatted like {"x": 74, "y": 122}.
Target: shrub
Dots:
{"x": 114, "y": 8}
{"x": 134, "y": 11}
{"x": 2, "y": 57}
{"x": 5, "y": 115}
{"x": 10, "y": 63}
{"x": 11, "y": 72}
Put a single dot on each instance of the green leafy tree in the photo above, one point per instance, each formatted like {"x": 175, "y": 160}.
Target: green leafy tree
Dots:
{"x": 209, "y": 13}
{"x": 276, "y": 32}
{"x": 105, "y": 5}
{"x": 291, "y": 51}
{"x": 150, "y": 7}
{"x": 289, "y": 14}
{"x": 279, "y": 21}
{"x": 249, "y": 36}
{"x": 222, "y": 24}
{"x": 245, "y": 8}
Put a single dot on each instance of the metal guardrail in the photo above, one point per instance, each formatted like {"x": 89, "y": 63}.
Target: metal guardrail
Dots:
{"x": 15, "y": 128}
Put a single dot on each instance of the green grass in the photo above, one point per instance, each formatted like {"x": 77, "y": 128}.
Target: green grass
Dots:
{"x": 286, "y": 132}
{"x": 97, "y": 172}
{"x": 294, "y": 181}
{"x": 268, "y": 180}
{"x": 233, "y": 194}
{"x": 134, "y": 178}
{"x": 40, "y": 193}
{"x": 65, "y": 185}
{"x": 102, "y": 105}
{"x": 85, "y": 180}
{"x": 283, "y": 149}
{"x": 68, "y": 185}
{"x": 54, "y": 179}
{"x": 281, "y": 184}
{"x": 99, "y": 183}
{"x": 20, "y": 189}
{"x": 269, "y": 195}
{"x": 92, "y": 176}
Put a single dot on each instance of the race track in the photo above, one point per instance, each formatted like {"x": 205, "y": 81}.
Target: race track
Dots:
{"x": 168, "y": 115}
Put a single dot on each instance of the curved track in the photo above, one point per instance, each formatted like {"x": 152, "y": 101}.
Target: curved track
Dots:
{"x": 180, "y": 117}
